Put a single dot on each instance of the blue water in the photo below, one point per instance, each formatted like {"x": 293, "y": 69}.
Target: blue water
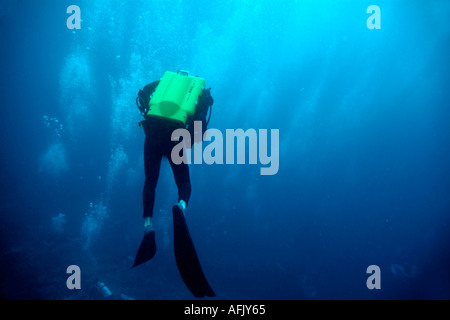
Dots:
{"x": 363, "y": 118}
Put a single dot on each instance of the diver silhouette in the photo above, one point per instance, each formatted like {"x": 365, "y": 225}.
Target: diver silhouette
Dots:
{"x": 174, "y": 102}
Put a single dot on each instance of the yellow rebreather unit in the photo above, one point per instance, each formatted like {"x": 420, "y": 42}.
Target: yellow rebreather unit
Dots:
{"x": 176, "y": 96}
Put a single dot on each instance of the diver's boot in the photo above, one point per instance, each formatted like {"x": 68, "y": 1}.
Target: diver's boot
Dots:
{"x": 182, "y": 205}
{"x": 148, "y": 224}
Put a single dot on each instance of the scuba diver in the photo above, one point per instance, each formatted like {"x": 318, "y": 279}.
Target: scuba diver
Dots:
{"x": 174, "y": 102}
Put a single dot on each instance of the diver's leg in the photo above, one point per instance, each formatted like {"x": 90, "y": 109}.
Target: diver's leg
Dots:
{"x": 183, "y": 181}
{"x": 152, "y": 164}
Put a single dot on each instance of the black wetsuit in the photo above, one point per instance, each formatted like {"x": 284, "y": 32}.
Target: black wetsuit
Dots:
{"x": 158, "y": 144}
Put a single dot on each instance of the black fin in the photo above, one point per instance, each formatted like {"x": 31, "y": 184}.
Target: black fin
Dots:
{"x": 146, "y": 250}
{"x": 186, "y": 257}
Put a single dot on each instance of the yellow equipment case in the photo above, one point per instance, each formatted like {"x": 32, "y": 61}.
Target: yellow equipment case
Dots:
{"x": 176, "y": 96}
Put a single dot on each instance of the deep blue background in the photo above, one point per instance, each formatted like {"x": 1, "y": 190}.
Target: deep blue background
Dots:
{"x": 364, "y": 148}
